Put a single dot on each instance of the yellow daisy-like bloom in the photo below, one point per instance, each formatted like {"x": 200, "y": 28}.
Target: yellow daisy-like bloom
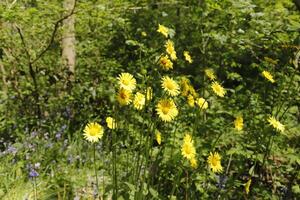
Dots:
{"x": 191, "y": 100}
{"x": 166, "y": 110}
{"x": 188, "y": 150}
{"x": 268, "y": 76}
{"x": 185, "y": 86}
{"x": 158, "y": 137}
{"x": 187, "y": 138}
{"x": 111, "y": 123}
{"x": 127, "y": 81}
{"x": 194, "y": 163}
{"x": 170, "y": 49}
{"x": 214, "y": 161}
{"x": 238, "y": 123}
{"x": 165, "y": 62}
{"x": 187, "y": 56}
{"x": 276, "y": 124}
{"x": 124, "y": 97}
{"x": 139, "y": 101}
{"x": 170, "y": 86}
{"x": 149, "y": 93}
{"x": 247, "y": 186}
{"x": 192, "y": 91}
{"x": 144, "y": 34}
{"x": 163, "y": 30}
{"x": 202, "y": 103}
{"x": 210, "y": 74}
{"x": 218, "y": 89}
{"x": 93, "y": 132}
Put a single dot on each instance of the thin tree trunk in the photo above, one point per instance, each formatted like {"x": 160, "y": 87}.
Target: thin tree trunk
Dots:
{"x": 68, "y": 39}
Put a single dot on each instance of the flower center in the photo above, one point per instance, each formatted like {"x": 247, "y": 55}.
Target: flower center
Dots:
{"x": 93, "y": 131}
{"x": 163, "y": 62}
{"x": 214, "y": 162}
{"x": 165, "y": 109}
{"x": 123, "y": 95}
{"x": 170, "y": 86}
{"x": 125, "y": 82}
{"x": 187, "y": 150}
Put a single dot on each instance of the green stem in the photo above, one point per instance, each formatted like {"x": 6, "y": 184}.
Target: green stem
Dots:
{"x": 103, "y": 184}
{"x": 35, "y": 188}
{"x": 114, "y": 156}
{"x": 115, "y": 185}
{"x": 270, "y": 143}
{"x": 282, "y": 102}
{"x": 95, "y": 168}
{"x": 187, "y": 185}
{"x": 173, "y": 142}
{"x": 176, "y": 182}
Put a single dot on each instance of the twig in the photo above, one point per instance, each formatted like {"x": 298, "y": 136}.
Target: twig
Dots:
{"x": 56, "y": 25}
{"x": 31, "y": 71}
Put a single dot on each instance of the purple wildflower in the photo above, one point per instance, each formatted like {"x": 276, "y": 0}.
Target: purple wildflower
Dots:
{"x": 33, "y": 173}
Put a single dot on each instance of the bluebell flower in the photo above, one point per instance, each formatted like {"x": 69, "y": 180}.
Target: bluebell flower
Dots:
{"x": 33, "y": 173}
{"x": 58, "y": 135}
{"x": 12, "y": 150}
{"x": 34, "y": 134}
{"x": 222, "y": 179}
{"x": 64, "y": 127}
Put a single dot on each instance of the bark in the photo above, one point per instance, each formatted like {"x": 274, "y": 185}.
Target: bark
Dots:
{"x": 68, "y": 39}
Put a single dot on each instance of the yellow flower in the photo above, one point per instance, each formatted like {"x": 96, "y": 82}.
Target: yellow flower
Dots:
{"x": 127, "y": 81}
{"x": 187, "y": 138}
{"x": 247, "y": 186}
{"x": 239, "y": 123}
{"x": 192, "y": 91}
{"x": 170, "y": 49}
{"x": 210, "y": 74}
{"x": 93, "y": 132}
{"x": 163, "y": 30}
{"x": 158, "y": 137}
{"x": 194, "y": 163}
{"x": 166, "y": 110}
{"x": 191, "y": 100}
{"x": 143, "y": 33}
{"x": 268, "y": 76}
{"x": 149, "y": 93}
{"x": 124, "y": 97}
{"x": 188, "y": 150}
{"x": 218, "y": 89}
{"x": 187, "y": 56}
{"x": 165, "y": 62}
{"x": 185, "y": 86}
{"x": 170, "y": 86}
{"x": 111, "y": 123}
{"x": 139, "y": 101}
{"x": 276, "y": 124}
{"x": 214, "y": 161}
{"x": 202, "y": 103}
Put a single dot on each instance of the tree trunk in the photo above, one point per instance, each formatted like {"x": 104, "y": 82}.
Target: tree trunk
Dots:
{"x": 68, "y": 39}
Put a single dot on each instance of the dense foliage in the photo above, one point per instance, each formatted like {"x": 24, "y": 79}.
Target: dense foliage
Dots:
{"x": 217, "y": 116}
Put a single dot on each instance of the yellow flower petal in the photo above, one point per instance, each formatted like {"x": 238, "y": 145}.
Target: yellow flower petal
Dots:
{"x": 93, "y": 132}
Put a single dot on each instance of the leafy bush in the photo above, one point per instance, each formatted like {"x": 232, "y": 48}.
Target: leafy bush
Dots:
{"x": 201, "y": 96}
